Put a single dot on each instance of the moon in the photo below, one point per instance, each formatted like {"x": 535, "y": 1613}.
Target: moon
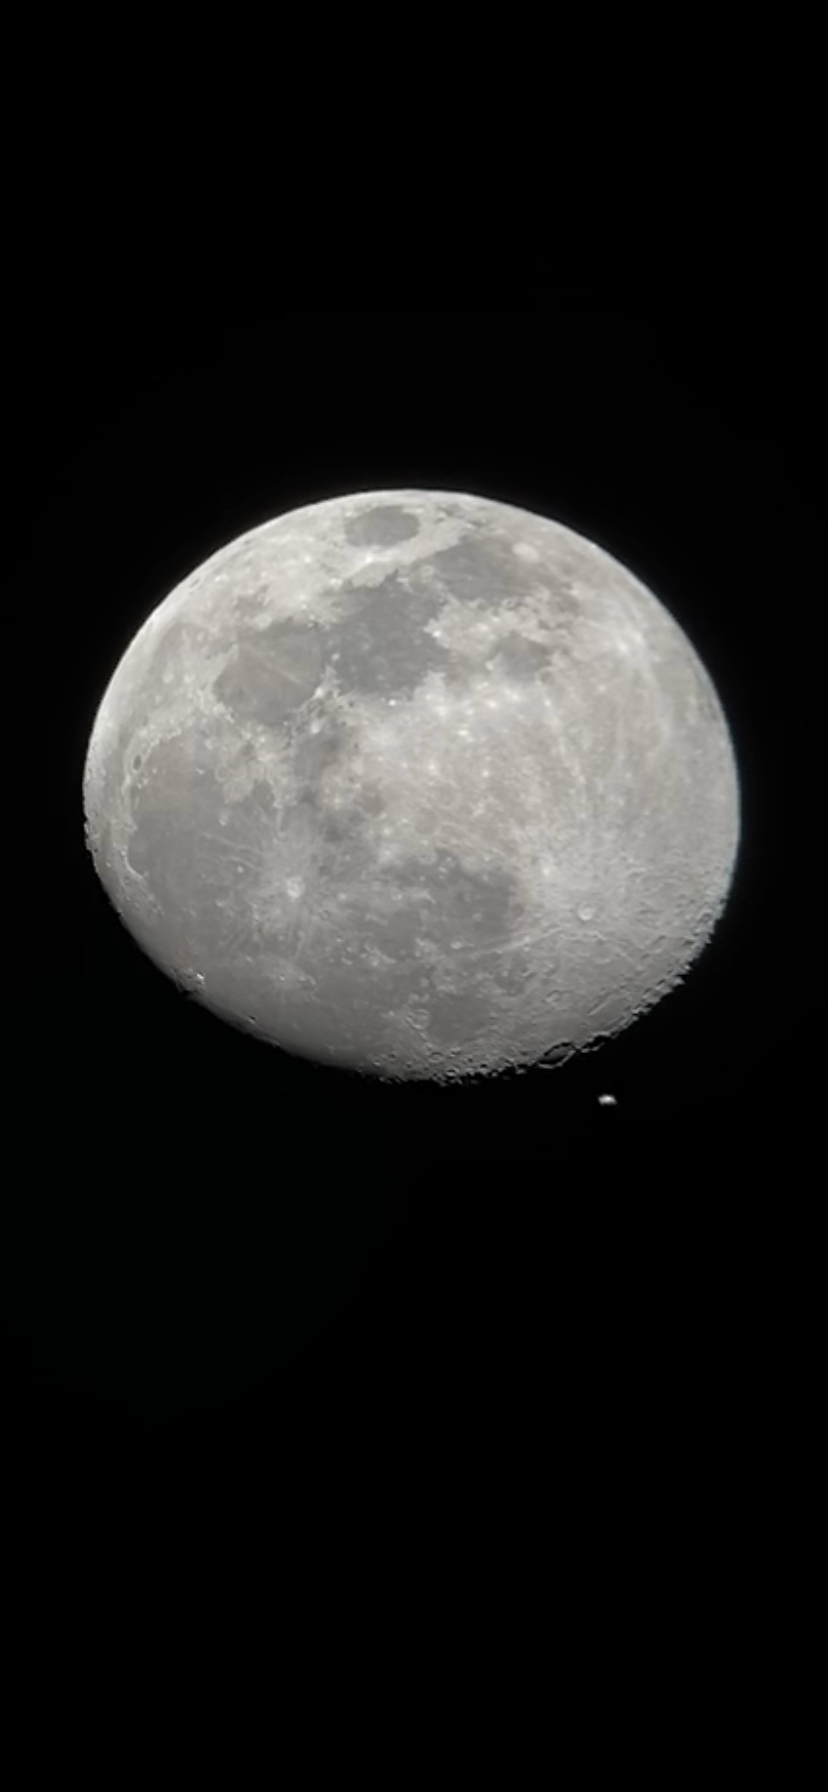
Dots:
{"x": 417, "y": 783}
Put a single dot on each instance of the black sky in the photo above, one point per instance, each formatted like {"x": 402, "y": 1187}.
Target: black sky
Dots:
{"x": 676, "y": 441}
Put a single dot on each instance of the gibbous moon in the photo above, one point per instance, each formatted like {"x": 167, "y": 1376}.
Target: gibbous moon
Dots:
{"x": 416, "y": 783}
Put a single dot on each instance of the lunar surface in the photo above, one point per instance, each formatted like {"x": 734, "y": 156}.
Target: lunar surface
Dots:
{"x": 416, "y": 783}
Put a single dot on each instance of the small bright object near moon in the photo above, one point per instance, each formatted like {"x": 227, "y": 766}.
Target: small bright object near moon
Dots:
{"x": 417, "y": 783}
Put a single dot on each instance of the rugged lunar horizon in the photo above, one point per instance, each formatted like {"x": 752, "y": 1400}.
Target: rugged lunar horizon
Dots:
{"x": 417, "y": 783}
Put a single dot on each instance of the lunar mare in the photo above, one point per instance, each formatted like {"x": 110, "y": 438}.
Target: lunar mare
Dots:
{"x": 415, "y": 782}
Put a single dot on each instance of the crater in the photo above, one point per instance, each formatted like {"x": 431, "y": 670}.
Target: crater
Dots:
{"x": 383, "y": 527}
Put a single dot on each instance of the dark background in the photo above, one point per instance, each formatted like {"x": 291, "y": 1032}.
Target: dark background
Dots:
{"x": 171, "y": 1170}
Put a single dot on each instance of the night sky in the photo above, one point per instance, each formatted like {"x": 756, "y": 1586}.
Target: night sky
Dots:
{"x": 219, "y": 1226}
